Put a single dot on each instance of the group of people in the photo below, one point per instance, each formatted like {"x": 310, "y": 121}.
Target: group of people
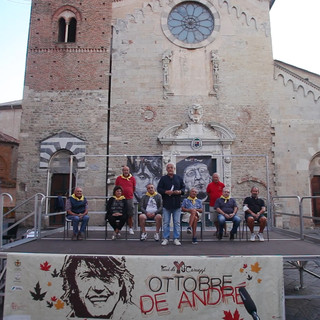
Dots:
{"x": 159, "y": 205}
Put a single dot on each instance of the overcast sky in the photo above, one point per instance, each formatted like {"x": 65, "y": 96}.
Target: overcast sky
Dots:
{"x": 295, "y": 27}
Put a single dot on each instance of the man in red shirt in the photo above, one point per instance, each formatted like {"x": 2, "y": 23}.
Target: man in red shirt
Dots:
{"x": 128, "y": 184}
{"x": 214, "y": 191}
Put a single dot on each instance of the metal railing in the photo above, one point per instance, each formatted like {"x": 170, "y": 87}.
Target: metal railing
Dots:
{"x": 297, "y": 211}
{"x": 35, "y": 215}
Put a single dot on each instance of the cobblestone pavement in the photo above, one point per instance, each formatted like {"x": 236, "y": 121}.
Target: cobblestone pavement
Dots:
{"x": 302, "y": 309}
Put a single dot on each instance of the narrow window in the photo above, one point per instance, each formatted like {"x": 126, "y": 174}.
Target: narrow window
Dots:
{"x": 62, "y": 30}
{"x": 67, "y": 30}
{"x": 72, "y": 30}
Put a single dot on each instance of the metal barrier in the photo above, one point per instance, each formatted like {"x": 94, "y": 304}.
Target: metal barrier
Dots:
{"x": 36, "y": 214}
{"x": 300, "y": 212}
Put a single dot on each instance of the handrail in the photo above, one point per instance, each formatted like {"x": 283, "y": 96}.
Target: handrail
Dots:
{"x": 1, "y": 213}
{"x": 299, "y": 207}
{"x": 36, "y": 213}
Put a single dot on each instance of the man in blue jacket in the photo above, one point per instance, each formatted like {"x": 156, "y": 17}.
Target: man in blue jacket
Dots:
{"x": 77, "y": 210}
{"x": 171, "y": 187}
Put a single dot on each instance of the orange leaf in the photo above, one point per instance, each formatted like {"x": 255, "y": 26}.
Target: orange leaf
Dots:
{"x": 255, "y": 267}
{"x": 59, "y": 304}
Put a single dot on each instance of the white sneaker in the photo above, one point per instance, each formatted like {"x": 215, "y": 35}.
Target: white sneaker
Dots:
{"x": 156, "y": 237}
{"x": 114, "y": 237}
{"x": 260, "y": 236}
{"x": 177, "y": 242}
{"x": 118, "y": 235}
{"x": 131, "y": 231}
{"x": 165, "y": 242}
{"x": 143, "y": 236}
{"x": 253, "y": 237}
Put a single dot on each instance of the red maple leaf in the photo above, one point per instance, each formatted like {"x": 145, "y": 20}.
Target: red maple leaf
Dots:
{"x": 54, "y": 298}
{"x": 45, "y": 266}
{"x": 228, "y": 315}
{"x": 245, "y": 266}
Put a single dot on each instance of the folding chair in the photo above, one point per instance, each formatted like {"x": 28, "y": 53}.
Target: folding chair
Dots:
{"x": 68, "y": 224}
{"x": 256, "y": 224}
{"x": 186, "y": 224}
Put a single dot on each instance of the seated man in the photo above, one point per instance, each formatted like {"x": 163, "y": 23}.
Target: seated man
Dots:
{"x": 77, "y": 210}
{"x": 151, "y": 208}
{"x": 254, "y": 209}
{"x": 227, "y": 209}
{"x": 192, "y": 208}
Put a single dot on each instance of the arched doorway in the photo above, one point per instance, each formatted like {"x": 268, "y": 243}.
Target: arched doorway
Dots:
{"x": 315, "y": 186}
{"x": 59, "y": 169}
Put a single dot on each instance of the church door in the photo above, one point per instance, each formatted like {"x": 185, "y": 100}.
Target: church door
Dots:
{"x": 315, "y": 191}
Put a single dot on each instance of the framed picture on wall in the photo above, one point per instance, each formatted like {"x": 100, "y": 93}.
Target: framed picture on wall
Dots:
{"x": 196, "y": 172}
{"x": 145, "y": 169}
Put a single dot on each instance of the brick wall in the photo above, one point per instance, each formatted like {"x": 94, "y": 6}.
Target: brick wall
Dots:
{"x": 82, "y": 65}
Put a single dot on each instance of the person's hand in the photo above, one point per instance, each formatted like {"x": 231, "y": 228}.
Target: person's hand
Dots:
{"x": 169, "y": 192}
{"x": 150, "y": 215}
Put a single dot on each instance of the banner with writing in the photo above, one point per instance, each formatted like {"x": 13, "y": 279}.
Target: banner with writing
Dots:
{"x": 48, "y": 286}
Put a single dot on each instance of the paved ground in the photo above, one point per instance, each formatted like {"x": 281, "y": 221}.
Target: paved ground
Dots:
{"x": 302, "y": 309}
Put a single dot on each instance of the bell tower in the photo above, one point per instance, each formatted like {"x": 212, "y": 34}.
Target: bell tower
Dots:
{"x": 66, "y": 94}
{"x": 68, "y": 45}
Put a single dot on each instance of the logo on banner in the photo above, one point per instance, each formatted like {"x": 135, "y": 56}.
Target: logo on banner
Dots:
{"x": 196, "y": 144}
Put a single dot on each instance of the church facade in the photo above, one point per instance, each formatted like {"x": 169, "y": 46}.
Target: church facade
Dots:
{"x": 144, "y": 83}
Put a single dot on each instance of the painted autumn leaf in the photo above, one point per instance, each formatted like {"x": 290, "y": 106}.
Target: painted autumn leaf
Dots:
{"x": 59, "y": 304}
{"x": 45, "y": 266}
{"x": 37, "y": 295}
{"x": 55, "y": 273}
{"x": 255, "y": 267}
{"x": 228, "y": 315}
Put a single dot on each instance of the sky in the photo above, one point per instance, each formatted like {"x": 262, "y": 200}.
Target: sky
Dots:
{"x": 295, "y": 27}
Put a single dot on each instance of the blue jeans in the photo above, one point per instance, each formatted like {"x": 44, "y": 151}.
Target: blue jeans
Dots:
{"x": 75, "y": 223}
{"x": 236, "y": 223}
{"x": 166, "y": 216}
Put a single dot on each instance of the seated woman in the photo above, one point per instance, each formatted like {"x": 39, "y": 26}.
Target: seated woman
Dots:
{"x": 192, "y": 209}
{"x": 117, "y": 211}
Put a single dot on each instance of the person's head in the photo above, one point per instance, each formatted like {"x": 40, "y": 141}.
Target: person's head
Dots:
{"x": 226, "y": 192}
{"x": 170, "y": 169}
{"x": 94, "y": 286}
{"x": 196, "y": 175}
{"x": 254, "y": 192}
{"x": 78, "y": 192}
{"x": 125, "y": 171}
{"x": 117, "y": 191}
{"x": 215, "y": 177}
{"x": 193, "y": 192}
{"x": 150, "y": 188}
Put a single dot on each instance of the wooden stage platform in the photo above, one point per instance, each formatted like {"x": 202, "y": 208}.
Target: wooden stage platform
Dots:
{"x": 279, "y": 244}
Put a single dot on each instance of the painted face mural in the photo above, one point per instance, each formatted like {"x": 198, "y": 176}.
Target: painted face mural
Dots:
{"x": 96, "y": 287}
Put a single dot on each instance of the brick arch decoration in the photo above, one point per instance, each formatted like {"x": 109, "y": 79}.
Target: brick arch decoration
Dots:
{"x": 62, "y": 140}
{"x": 58, "y": 12}
{"x": 252, "y": 179}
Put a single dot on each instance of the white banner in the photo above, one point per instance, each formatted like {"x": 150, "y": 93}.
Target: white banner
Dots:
{"x": 47, "y": 286}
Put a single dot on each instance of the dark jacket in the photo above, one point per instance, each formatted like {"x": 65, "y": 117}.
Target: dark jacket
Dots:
{"x": 166, "y": 183}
